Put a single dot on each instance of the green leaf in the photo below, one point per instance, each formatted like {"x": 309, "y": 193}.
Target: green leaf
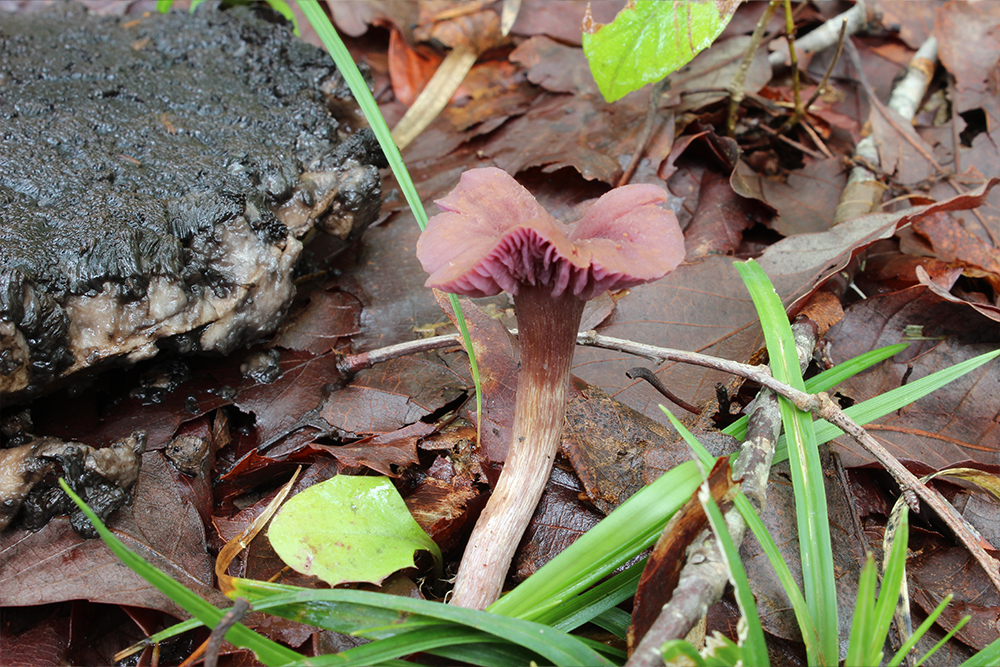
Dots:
{"x": 348, "y": 529}
{"x": 649, "y": 39}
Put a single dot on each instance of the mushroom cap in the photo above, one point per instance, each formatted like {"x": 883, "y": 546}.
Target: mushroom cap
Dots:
{"x": 492, "y": 235}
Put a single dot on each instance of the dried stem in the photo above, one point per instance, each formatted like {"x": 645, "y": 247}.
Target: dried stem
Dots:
{"x": 792, "y": 58}
{"x": 352, "y": 363}
{"x": 645, "y": 374}
{"x": 800, "y": 112}
{"x": 647, "y": 131}
{"x": 863, "y": 193}
{"x": 736, "y": 86}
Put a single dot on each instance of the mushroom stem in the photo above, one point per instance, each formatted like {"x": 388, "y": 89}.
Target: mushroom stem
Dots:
{"x": 547, "y": 328}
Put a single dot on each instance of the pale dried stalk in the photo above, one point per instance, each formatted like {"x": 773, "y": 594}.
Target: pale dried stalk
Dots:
{"x": 434, "y": 97}
{"x": 825, "y": 36}
{"x": 863, "y": 193}
{"x": 736, "y": 88}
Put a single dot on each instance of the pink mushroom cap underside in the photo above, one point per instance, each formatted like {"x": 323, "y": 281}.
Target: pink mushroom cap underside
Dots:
{"x": 492, "y": 235}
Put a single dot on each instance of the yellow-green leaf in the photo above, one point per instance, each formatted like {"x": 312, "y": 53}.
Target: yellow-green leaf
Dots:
{"x": 348, "y": 529}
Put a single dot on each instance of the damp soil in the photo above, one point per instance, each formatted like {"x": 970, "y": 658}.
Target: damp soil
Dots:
{"x": 156, "y": 177}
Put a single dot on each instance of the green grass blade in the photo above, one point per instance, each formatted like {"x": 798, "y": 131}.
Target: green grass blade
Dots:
{"x": 767, "y": 544}
{"x": 921, "y": 630}
{"x": 754, "y": 647}
{"x": 892, "y": 579}
{"x": 349, "y": 70}
{"x": 342, "y": 58}
{"x": 807, "y": 474}
{"x": 944, "y": 640}
{"x": 622, "y": 535}
{"x": 414, "y": 641}
{"x": 988, "y": 657}
{"x": 268, "y": 652}
{"x": 614, "y": 620}
{"x": 864, "y": 613}
{"x": 596, "y": 601}
{"x": 313, "y": 607}
{"x": 765, "y": 540}
{"x": 893, "y": 400}
{"x": 484, "y": 655}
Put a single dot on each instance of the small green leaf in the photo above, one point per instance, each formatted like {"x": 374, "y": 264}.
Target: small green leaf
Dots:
{"x": 349, "y": 529}
{"x": 649, "y": 39}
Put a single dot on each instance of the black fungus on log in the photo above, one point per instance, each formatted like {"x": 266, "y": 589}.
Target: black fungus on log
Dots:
{"x": 156, "y": 175}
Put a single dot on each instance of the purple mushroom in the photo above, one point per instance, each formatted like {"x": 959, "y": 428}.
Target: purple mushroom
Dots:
{"x": 493, "y": 236}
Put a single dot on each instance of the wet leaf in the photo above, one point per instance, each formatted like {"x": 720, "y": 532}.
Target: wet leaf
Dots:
{"x": 966, "y": 34}
{"x": 348, "y": 529}
{"x": 662, "y": 571}
{"x": 328, "y": 318}
{"x": 606, "y": 443}
{"x": 805, "y": 200}
{"x": 939, "y": 568}
{"x": 797, "y": 264}
{"x": 385, "y": 453}
{"x": 720, "y": 219}
{"x": 392, "y": 395}
{"x": 54, "y": 564}
{"x": 285, "y": 404}
{"x": 560, "y": 518}
{"x": 952, "y": 242}
{"x": 955, "y": 423}
{"x": 445, "y": 498}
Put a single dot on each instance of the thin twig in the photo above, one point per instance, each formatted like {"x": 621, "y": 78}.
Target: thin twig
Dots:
{"x": 863, "y": 192}
{"x": 799, "y": 114}
{"x": 233, "y": 616}
{"x": 822, "y": 406}
{"x": 791, "y": 142}
{"x": 352, "y": 363}
{"x": 650, "y": 377}
{"x": 793, "y": 59}
{"x": 829, "y": 70}
{"x": 857, "y": 17}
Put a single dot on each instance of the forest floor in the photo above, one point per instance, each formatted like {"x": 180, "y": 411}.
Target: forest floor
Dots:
{"x": 924, "y": 270}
